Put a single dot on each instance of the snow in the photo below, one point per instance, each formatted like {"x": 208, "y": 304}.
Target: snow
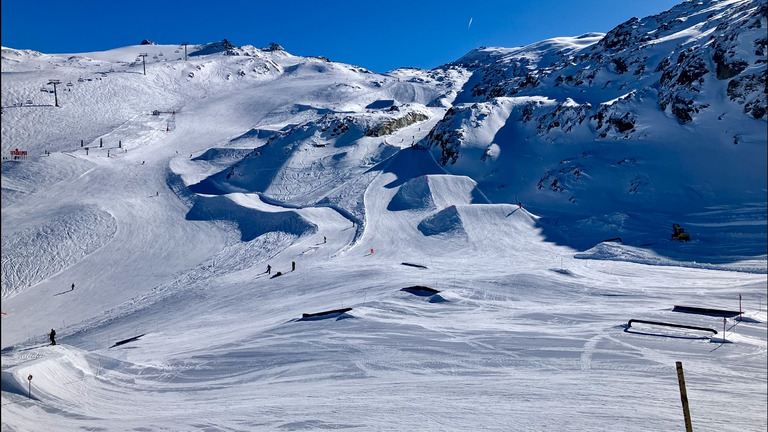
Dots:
{"x": 529, "y": 330}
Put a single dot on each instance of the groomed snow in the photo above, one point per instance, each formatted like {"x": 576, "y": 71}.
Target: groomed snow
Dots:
{"x": 528, "y": 331}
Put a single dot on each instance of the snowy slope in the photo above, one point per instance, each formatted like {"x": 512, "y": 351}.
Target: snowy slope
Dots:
{"x": 663, "y": 112}
{"x": 166, "y": 223}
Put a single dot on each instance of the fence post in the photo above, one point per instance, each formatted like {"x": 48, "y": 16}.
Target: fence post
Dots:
{"x": 684, "y": 397}
{"x": 725, "y": 320}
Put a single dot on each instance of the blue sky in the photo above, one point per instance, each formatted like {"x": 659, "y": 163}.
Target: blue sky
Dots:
{"x": 379, "y": 36}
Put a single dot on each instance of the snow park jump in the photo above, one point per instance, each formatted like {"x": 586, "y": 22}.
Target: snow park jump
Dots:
{"x": 326, "y": 314}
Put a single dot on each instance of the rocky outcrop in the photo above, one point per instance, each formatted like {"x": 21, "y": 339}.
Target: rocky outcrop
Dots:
{"x": 678, "y": 60}
{"x": 749, "y": 91}
{"x": 390, "y": 126}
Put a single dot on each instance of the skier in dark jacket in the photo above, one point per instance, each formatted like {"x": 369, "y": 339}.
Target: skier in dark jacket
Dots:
{"x": 269, "y": 269}
{"x": 53, "y": 336}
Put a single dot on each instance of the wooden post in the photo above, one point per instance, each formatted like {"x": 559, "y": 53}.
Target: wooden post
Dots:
{"x": 740, "y": 312}
{"x": 725, "y": 320}
{"x": 684, "y": 397}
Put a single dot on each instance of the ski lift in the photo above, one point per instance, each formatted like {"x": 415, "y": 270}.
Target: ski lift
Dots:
{"x": 80, "y": 80}
{"x": 160, "y": 54}
{"x": 29, "y": 102}
{"x": 69, "y": 84}
{"x": 177, "y": 51}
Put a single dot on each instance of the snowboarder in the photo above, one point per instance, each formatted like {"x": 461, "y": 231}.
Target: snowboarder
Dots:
{"x": 293, "y": 265}
{"x": 324, "y": 239}
{"x": 269, "y": 269}
{"x": 52, "y": 336}
{"x": 73, "y": 287}
{"x": 519, "y": 204}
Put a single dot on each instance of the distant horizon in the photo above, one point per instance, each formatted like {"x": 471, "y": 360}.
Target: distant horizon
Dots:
{"x": 378, "y": 38}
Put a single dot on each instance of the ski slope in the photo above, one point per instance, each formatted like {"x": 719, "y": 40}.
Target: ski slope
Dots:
{"x": 167, "y": 229}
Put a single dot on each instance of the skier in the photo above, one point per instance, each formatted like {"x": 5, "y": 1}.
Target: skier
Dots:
{"x": 269, "y": 269}
{"x": 293, "y": 265}
{"x": 73, "y": 287}
{"x": 324, "y": 239}
{"x": 52, "y": 336}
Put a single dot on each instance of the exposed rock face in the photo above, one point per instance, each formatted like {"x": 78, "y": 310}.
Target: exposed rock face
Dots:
{"x": 225, "y": 47}
{"x": 700, "y": 64}
{"x": 678, "y": 58}
{"x": 391, "y": 126}
{"x": 749, "y": 90}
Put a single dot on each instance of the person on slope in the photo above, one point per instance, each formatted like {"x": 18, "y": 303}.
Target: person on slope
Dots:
{"x": 53, "y": 336}
{"x": 269, "y": 269}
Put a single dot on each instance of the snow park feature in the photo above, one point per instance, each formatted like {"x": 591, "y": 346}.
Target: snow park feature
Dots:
{"x": 529, "y": 159}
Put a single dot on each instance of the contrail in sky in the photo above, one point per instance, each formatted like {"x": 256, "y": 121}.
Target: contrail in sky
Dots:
{"x": 470, "y": 23}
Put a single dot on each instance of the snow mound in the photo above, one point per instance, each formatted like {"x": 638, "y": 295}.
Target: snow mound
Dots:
{"x": 413, "y": 195}
{"x": 446, "y": 221}
{"x": 252, "y": 223}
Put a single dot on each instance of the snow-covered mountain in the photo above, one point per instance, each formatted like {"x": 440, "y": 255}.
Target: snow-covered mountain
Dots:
{"x": 535, "y": 187}
{"x": 634, "y": 116}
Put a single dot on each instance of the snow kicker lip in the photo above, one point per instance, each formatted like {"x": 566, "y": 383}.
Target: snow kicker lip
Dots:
{"x": 421, "y": 290}
{"x": 335, "y": 313}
